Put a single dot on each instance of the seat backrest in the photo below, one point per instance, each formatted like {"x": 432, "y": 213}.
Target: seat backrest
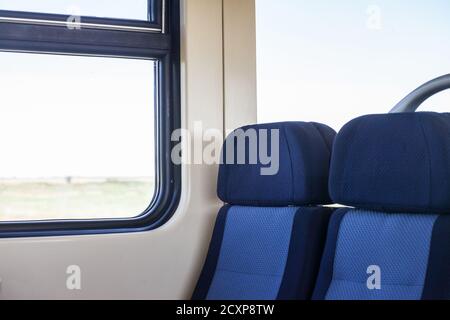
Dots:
{"x": 395, "y": 244}
{"x": 269, "y": 236}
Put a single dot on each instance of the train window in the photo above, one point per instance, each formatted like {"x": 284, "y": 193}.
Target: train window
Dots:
{"x": 331, "y": 61}
{"x": 77, "y": 137}
{"x": 135, "y": 9}
{"x": 137, "y": 15}
{"x": 87, "y": 115}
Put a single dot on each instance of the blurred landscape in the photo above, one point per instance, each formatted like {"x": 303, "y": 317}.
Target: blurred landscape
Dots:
{"x": 75, "y": 117}
{"x": 74, "y": 198}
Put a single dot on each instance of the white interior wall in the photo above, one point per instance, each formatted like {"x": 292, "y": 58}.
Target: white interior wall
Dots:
{"x": 239, "y": 63}
{"x": 164, "y": 263}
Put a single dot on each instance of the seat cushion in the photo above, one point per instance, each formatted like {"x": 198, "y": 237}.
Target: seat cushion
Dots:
{"x": 264, "y": 253}
{"x": 300, "y": 154}
{"x": 410, "y": 250}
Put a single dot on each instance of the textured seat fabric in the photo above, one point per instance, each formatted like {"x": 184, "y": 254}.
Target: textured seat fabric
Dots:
{"x": 265, "y": 246}
{"x": 394, "y": 162}
{"x": 302, "y": 178}
{"x": 394, "y": 169}
{"x": 264, "y": 254}
{"x": 257, "y": 272}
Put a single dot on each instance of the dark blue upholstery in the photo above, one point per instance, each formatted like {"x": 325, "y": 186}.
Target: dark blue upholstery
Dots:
{"x": 264, "y": 247}
{"x": 257, "y": 271}
{"x": 209, "y": 268}
{"x": 437, "y": 283}
{"x": 393, "y": 162}
{"x": 395, "y": 169}
{"x": 305, "y": 252}
{"x": 326, "y": 267}
{"x": 412, "y": 251}
{"x": 264, "y": 254}
{"x": 398, "y": 243}
{"x": 302, "y": 178}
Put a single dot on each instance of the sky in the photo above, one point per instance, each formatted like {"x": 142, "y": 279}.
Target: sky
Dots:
{"x": 67, "y": 116}
{"x": 324, "y": 60}
{"x": 331, "y": 61}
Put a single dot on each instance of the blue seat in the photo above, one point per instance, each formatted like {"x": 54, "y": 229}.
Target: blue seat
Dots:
{"x": 395, "y": 243}
{"x": 269, "y": 237}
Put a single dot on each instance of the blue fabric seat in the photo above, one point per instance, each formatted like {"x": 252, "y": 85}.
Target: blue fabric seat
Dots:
{"x": 269, "y": 237}
{"x": 395, "y": 244}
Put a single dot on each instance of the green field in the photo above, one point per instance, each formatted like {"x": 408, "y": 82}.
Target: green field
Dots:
{"x": 65, "y": 199}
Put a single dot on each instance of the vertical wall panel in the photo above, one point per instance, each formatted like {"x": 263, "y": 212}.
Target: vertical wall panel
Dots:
{"x": 239, "y": 63}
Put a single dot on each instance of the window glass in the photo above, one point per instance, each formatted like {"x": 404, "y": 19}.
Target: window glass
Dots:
{"x": 331, "y": 61}
{"x": 76, "y": 137}
{"x": 119, "y": 9}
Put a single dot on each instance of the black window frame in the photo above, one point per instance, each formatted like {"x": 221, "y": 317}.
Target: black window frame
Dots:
{"x": 160, "y": 41}
{"x": 155, "y": 19}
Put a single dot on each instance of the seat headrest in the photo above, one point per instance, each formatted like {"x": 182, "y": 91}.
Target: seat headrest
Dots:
{"x": 285, "y": 164}
{"x": 393, "y": 162}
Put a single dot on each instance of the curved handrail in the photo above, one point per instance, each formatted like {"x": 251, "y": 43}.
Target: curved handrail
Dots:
{"x": 412, "y": 101}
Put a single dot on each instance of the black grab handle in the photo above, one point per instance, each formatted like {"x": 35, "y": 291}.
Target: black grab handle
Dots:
{"x": 412, "y": 101}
